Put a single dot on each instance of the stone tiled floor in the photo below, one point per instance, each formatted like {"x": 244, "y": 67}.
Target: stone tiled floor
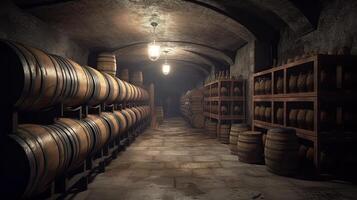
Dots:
{"x": 178, "y": 162}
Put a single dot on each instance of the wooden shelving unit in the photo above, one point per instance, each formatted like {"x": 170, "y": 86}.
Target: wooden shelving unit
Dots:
{"x": 328, "y": 94}
{"x": 228, "y": 94}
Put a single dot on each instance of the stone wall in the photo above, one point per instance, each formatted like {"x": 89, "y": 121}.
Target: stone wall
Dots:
{"x": 22, "y": 27}
{"x": 337, "y": 27}
{"x": 244, "y": 67}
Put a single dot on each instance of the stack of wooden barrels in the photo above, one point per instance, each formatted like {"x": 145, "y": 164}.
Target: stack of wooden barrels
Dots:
{"x": 192, "y": 107}
{"x": 41, "y": 80}
{"x": 40, "y": 153}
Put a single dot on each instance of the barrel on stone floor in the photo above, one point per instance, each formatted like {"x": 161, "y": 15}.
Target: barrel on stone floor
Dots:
{"x": 106, "y": 62}
{"x": 233, "y": 136}
{"x": 224, "y": 133}
{"x": 250, "y": 147}
{"x": 281, "y": 151}
{"x": 211, "y": 128}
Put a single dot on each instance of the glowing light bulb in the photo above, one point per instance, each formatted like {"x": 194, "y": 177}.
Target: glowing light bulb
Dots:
{"x": 154, "y": 51}
{"x": 166, "y": 69}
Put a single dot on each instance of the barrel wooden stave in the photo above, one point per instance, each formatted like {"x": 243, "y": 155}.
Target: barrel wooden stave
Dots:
{"x": 250, "y": 147}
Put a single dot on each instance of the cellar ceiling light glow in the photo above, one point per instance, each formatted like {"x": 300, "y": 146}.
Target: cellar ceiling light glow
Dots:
{"x": 154, "y": 49}
{"x": 166, "y": 67}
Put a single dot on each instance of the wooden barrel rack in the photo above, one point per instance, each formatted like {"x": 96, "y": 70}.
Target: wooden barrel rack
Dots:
{"x": 69, "y": 178}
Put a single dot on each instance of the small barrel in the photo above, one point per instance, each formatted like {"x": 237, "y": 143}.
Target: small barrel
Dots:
{"x": 124, "y": 75}
{"x": 281, "y": 151}
{"x": 233, "y": 136}
{"x": 250, "y": 147}
{"x": 310, "y": 82}
{"x": 113, "y": 89}
{"x": 137, "y": 78}
{"x": 224, "y": 133}
{"x": 262, "y": 113}
{"x": 106, "y": 62}
{"x": 101, "y": 87}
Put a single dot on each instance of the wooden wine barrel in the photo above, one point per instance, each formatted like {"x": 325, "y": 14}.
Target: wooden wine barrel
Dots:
{"x": 35, "y": 159}
{"x": 137, "y": 78}
{"x": 280, "y": 85}
{"x": 267, "y": 114}
{"x": 114, "y": 124}
{"x": 262, "y": 113}
{"x": 138, "y": 114}
{"x": 310, "y": 82}
{"x": 224, "y": 91}
{"x": 211, "y": 128}
{"x": 256, "y": 87}
{"x": 100, "y": 129}
{"x": 122, "y": 90}
{"x": 101, "y": 87}
{"x": 233, "y": 136}
{"x": 224, "y": 133}
{"x": 37, "y": 81}
{"x": 128, "y": 118}
{"x": 83, "y": 136}
{"x": 113, "y": 89}
{"x": 82, "y": 83}
{"x": 124, "y": 75}
{"x": 237, "y": 91}
{"x": 301, "y": 82}
{"x": 280, "y": 115}
{"x": 106, "y": 62}
{"x": 129, "y": 92}
{"x": 122, "y": 121}
{"x": 309, "y": 119}
{"x": 293, "y": 83}
{"x": 250, "y": 147}
{"x": 293, "y": 117}
{"x": 133, "y": 116}
{"x": 281, "y": 151}
{"x": 301, "y": 118}
{"x": 267, "y": 86}
{"x": 135, "y": 92}
{"x": 261, "y": 89}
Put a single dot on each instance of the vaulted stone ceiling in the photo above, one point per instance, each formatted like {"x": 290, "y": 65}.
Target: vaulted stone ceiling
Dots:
{"x": 200, "y": 34}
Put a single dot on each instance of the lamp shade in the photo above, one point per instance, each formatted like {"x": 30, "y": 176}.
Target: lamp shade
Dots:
{"x": 166, "y": 69}
{"x": 154, "y": 51}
